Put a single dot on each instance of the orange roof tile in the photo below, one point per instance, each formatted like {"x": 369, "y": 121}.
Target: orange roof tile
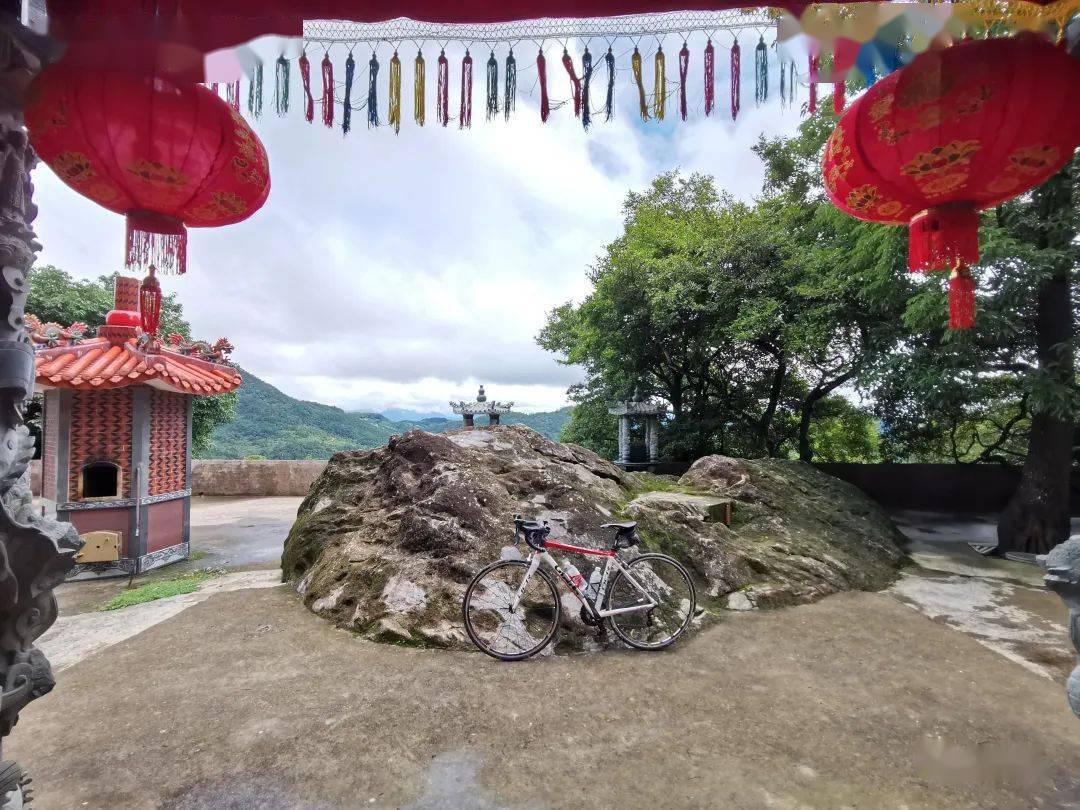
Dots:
{"x": 99, "y": 363}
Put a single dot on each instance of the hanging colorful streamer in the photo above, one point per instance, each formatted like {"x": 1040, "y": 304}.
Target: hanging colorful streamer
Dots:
{"x": 761, "y": 72}
{"x": 255, "y": 93}
{"x": 393, "y": 112}
{"x": 635, "y": 68}
{"x": 541, "y": 75}
{"x": 232, "y": 95}
{"x": 346, "y": 106}
{"x": 736, "y": 80}
{"x": 575, "y": 82}
{"x": 684, "y": 68}
{"x": 305, "y": 78}
{"x": 281, "y": 86}
{"x": 373, "y": 91}
{"x": 659, "y": 86}
{"x": 710, "y": 77}
{"x": 813, "y": 77}
{"x": 510, "y": 85}
{"x": 586, "y": 80}
{"x": 492, "y": 87}
{"x": 442, "y": 98}
{"x": 465, "y": 114}
{"x": 419, "y": 101}
{"x": 327, "y": 91}
{"x": 838, "y": 97}
{"x": 609, "y": 99}
{"x": 792, "y": 74}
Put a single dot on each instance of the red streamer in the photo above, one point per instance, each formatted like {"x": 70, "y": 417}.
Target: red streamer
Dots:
{"x": 442, "y": 99}
{"x": 961, "y": 298}
{"x": 150, "y": 303}
{"x": 305, "y": 76}
{"x": 327, "y": 91}
{"x": 235, "y": 100}
{"x": 465, "y": 115}
{"x": 541, "y": 73}
{"x": 568, "y": 63}
{"x": 735, "y": 81}
{"x": 812, "y": 105}
{"x": 710, "y": 78}
{"x": 156, "y": 240}
{"x": 684, "y": 66}
{"x": 838, "y": 97}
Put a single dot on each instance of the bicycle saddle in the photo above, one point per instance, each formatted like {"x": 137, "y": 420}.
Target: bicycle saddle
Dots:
{"x": 622, "y": 527}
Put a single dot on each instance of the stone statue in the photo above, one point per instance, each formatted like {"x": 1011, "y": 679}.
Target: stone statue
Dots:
{"x": 1063, "y": 578}
{"x": 35, "y": 552}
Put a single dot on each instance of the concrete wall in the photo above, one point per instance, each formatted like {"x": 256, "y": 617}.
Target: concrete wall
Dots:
{"x": 227, "y": 477}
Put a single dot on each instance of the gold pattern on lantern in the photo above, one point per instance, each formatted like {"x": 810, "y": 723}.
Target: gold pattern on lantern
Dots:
{"x": 940, "y": 159}
{"x": 862, "y": 198}
{"x": 221, "y": 204}
{"x": 839, "y": 154}
{"x": 1033, "y": 160}
{"x": 935, "y": 186}
{"x": 74, "y": 168}
{"x": 158, "y": 175}
{"x": 890, "y": 208}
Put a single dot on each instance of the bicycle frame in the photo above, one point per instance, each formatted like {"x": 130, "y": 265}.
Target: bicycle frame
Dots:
{"x": 613, "y": 563}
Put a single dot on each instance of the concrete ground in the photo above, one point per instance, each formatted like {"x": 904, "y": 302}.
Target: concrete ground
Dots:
{"x": 933, "y": 694}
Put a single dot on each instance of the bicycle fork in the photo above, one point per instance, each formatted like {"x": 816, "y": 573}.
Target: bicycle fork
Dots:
{"x": 534, "y": 563}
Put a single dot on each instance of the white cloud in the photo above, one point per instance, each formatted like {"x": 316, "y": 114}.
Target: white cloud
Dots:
{"x": 403, "y": 270}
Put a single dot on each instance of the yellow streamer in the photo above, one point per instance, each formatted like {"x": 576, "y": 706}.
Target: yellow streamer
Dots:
{"x": 659, "y": 101}
{"x": 418, "y": 91}
{"x": 635, "y": 67}
{"x": 394, "y": 116}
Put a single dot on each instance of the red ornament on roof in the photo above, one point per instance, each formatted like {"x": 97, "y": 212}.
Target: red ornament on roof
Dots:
{"x": 167, "y": 155}
{"x": 956, "y": 131}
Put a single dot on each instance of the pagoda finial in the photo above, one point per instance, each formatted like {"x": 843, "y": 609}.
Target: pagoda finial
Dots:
{"x": 481, "y": 397}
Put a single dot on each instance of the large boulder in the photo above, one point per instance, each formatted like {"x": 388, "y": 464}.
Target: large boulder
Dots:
{"x": 387, "y": 539}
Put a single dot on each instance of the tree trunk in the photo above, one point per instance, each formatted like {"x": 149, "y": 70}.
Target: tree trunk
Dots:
{"x": 1037, "y": 517}
{"x": 806, "y": 451}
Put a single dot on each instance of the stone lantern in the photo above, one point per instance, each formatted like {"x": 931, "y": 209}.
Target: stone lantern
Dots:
{"x": 468, "y": 410}
{"x": 649, "y": 412}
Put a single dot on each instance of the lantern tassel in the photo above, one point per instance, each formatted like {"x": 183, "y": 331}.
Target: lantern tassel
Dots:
{"x": 761, "y": 72}
{"x": 305, "y": 78}
{"x": 393, "y": 114}
{"x": 792, "y": 73}
{"x": 373, "y": 91}
{"x": 327, "y": 91}
{"x": 575, "y": 82}
{"x": 943, "y": 237}
{"x": 783, "y": 84}
{"x": 961, "y": 298}
{"x": 158, "y": 240}
{"x": 465, "y": 114}
{"x": 684, "y": 67}
{"x": 736, "y": 80}
{"x": 541, "y": 75}
{"x": 586, "y": 81}
{"x": 150, "y": 302}
{"x": 492, "y": 86}
{"x": 812, "y": 81}
{"x": 346, "y": 106}
{"x": 442, "y": 97}
{"x": 510, "y": 85}
{"x": 234, "y": 95}
{"x": 838, "y": 97}
{"x": 659, "y": 102}
{"x": 635, "y": 68}
{"x": 419, "y": 100}
{"x": 710, "y": 77}
{"x": 255, "y": 93}
{"x": 609, "y": 98}
{"x": 281, "y": 86}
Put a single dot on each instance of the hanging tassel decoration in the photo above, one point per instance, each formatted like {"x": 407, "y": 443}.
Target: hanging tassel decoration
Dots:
{"x": 255, "y": 93}
{"x": 838, "y": 97}
{"x": 568, "y": 63}
{"x": 635, "y": 68}
{"x": 492, "y": 87}
{"x": 327, "y": 91}
{"x": 736, "y": 80}
{"x": 305, "y": 78}
{"x": 609, "y": 99}
{"x": 156, "y": 240}
{"x": 465, "y": 114}
{"x": 419, "y": 101}
{"x": 761, "y": 72}
{"x": 710, "y": 77}
{"x": 510, "y": 85}
{"x": 783, "y": 84}
{"x": 812, "y": 81}
{"x": 659, "y": 102}
{"x": 346, "y": 106}
{"x": 232, "y": 94}
{"x": 586, "y": 80}
{"x": 281, "y": 86}
{"x": 442, "y": 97}
{"x": 684, "y": 67}
{"x": 961, "y": 298}
{"x": 541, "y": 75}
{"x": 393, "y": 113}
{"x": 792, "y": 74}
{"x": 373, "y": 92}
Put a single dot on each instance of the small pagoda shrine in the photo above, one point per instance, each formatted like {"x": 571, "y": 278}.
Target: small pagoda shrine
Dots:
{"x": 469, "y": 410}
{"x": 116, "y": 434}
{"x": 646, "y": 454}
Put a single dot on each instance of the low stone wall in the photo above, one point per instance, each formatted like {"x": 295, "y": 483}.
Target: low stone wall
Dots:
{"x": 228, "y": 477}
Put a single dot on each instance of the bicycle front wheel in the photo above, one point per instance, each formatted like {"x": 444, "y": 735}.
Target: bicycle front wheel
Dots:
{"x": 661, "y": 580}
{"x": 496, "y": 626}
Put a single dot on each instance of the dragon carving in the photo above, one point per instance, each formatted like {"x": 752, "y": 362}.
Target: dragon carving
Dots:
{"x": 53, "y": 334}
{"x": 216, "y": 353}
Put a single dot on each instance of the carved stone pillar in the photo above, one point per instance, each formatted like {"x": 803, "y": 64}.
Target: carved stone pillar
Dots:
{"x": 624, "y": 439}
{"x": 35, "y": 552}
{"x": 1063, "y": 578}
{"x": 652, "y": 437}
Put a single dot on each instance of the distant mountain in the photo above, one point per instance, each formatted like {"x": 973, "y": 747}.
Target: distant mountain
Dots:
{"x": 405, "y": 415}
{"x": 270, "y": 424}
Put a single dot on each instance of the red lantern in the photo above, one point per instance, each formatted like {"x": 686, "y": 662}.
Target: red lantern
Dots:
{"x": 167, "y": 155}
{"x": 150, "y": 303}
{"x": 956, "y": 131}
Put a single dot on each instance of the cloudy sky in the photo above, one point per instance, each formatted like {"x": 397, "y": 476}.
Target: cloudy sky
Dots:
{"x": 401, "y": 271}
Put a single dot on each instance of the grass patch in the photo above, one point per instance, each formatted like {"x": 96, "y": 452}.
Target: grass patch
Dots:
{"x": 159, "y": 589}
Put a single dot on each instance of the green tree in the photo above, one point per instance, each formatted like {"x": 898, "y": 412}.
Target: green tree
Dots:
{"x": 591, "y": 426}
{"x": 56, "y": 296}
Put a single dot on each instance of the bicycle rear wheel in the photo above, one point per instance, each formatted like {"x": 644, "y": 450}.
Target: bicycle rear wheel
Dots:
{"x": 668, "y": 585}
{"x": 501, "y": 631}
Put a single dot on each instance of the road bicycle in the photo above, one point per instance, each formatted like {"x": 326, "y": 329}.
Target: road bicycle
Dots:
{"x": 512, "y": 607}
